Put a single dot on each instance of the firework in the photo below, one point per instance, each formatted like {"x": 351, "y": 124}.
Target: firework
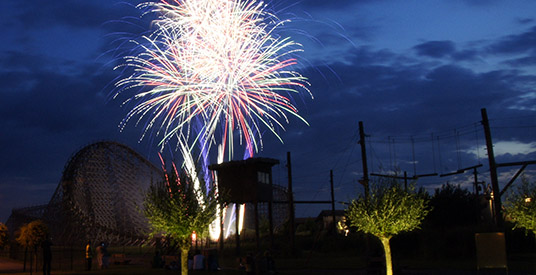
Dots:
{"x": 212, "y": 69}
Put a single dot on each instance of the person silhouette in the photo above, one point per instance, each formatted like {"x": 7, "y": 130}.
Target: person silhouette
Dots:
{"x": 89, "y": 255}
{"x": 47, "y": 255}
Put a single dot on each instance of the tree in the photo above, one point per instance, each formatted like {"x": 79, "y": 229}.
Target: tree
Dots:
{"x": 453, "y": 206}
{"x": 4, "y": 236}
{"x": 32, "y": 235}
{"x": 175, "y": 210}
{"x": 388, "y": 211}
{"x": 520, "y": 206}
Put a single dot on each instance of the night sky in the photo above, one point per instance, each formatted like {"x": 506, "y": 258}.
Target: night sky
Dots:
{"x": 417, "y": 73}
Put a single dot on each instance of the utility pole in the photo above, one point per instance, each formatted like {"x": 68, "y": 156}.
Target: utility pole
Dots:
{"x": 365, "y": 181}
{"x": 406, "y": 181}
{"x": 270, "y": 212}
{"x": 257, "y": 235}
{"x": 290, "y": 203}
{"x": 475, "y": 175}
{"x": 332, "y": 201}
{"x": 497, "y": 205}
{"x": 221, "y": 227}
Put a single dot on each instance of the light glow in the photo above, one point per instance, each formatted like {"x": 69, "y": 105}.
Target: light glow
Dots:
{"x": 230, "y": 219}
{"x": 241, "y": 217}
{"x": 194, "y": 236}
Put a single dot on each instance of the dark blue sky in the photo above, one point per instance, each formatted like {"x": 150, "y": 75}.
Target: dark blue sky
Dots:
{"x": 416, "y": 73}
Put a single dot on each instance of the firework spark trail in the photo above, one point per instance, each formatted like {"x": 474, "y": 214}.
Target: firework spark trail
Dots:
{"x": 218, "y": 61}
{"x": 214, "y": 63}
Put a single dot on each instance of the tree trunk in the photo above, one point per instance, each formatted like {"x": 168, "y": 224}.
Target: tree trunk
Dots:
{"x": 25, "y": 256}
{"x": 388, "y": 260}
{"x": 31, "y": 263}
{"x": 36, "y": 260}
{"x": 184, "y": 260}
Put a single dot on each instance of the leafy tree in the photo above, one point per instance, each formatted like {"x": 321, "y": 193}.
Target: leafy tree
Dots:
{"x": 308, "y": 227}
{"x": 4, "y": 237}
{"x": 388, "y": 211}
{"x": 175, "y": 210}
{"x": 520, "y": 206}
{"x": 453, "y": 205}
{"x": 32, "y": 235}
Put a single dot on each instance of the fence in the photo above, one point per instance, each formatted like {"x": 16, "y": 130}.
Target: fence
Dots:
{"x": 73, "y": 257}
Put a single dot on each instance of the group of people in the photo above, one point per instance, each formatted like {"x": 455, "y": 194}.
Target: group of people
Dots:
{"x": 103, "y": 257}
{"x": 200, "y": 262}
{"x": 196, "y": 261}
{"x": 264, "y": 264}
{"x": 258, "y": 264}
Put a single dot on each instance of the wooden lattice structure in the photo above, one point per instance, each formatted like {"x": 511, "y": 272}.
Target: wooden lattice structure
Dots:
{"x": 100, "y": 196}
{"x": 280, "y": 213}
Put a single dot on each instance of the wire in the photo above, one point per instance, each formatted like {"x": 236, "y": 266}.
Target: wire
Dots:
{"x": 458, "y": 137}
{"x": 370, "y": 153}
{"x": 439, "y": 151}
{"x": 458, "y": 156}
{"x": 414, "y": 162}
{"x": 477, "y": 145}
{"x": 433, "y": 152}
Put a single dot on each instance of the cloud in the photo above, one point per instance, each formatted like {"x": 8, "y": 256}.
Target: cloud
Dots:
{"x": 515, "y": 44}
{"x": 522, "y": 61}
{"x": 466, "y": 55}
{"x": 502, "y": 148}
{"x": 392, "y": 91}
{"x": 333, "y": 4}
{"x": 446, "y": 49}
{"x": 76, "y": 13}
{"x": 480, "y": 2}
{"x": 525, "y": 21}
{"x": 436, "y": 49}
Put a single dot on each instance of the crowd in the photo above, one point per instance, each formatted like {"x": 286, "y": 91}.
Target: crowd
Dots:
{"x": 103, "y": 257}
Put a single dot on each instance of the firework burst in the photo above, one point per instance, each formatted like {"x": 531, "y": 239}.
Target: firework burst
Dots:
{"x": 216, "y": 66}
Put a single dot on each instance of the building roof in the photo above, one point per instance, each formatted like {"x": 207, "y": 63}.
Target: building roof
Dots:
{"x": 250, "y": 161}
